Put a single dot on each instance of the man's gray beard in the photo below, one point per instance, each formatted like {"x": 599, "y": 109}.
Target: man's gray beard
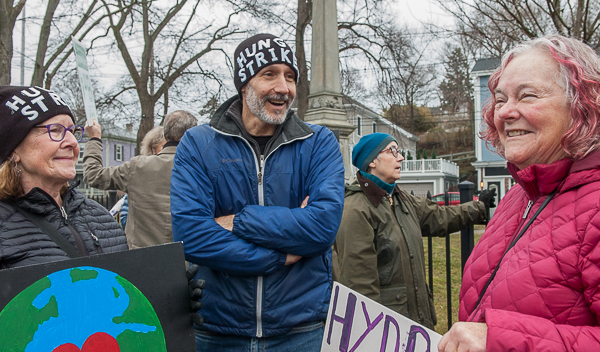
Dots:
{"x": 258, "y": 109}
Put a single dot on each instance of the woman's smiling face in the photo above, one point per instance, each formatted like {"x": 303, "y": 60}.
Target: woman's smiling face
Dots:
{"x": 45, "y": 163}
{"x": 531, "y": 111}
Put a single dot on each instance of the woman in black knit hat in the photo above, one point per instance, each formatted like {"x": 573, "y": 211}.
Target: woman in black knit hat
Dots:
{"x": 38, "y": 152}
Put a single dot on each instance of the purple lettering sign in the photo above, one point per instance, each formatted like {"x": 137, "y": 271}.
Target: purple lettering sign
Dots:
{"x": 371, "y": 327}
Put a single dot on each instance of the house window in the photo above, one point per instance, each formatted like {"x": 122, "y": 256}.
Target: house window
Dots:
{"x": 81, "y": 147}
{"x": 359, "y": 122}
{"x": 118, "y": 152}
{"x": 374, "y": 127}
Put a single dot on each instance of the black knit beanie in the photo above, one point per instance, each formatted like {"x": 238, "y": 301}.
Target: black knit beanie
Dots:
{"x": 22, "y": 108}
{"x": 257, "y": 52}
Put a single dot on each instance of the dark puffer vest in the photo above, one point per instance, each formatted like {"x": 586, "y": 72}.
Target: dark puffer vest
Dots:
{"x": 23, "y": 243}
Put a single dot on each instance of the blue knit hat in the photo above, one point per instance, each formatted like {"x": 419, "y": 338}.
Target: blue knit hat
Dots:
{"x": 368, "y": 147}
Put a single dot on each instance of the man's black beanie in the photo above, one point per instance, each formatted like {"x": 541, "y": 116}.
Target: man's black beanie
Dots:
{"x": 257, "y": 52}
{"x": 22, "y": 108}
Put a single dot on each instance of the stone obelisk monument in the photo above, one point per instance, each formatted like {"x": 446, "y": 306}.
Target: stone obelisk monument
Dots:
{"x": 325, "y": 100}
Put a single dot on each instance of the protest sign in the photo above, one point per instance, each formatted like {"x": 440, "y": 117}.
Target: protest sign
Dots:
{"x": 129, "y": 301}
{"x": 356, "y": 323}
{"x": 85, "y": 81}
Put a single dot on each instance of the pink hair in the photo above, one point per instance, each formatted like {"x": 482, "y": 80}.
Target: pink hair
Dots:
{"x": 580, "y": 77}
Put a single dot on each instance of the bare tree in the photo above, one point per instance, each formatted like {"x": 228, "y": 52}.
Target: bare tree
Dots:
{"x": 496, "y": 25}
{"x": 303, "y": 86}
{"x": 406, "y": 79}
{"x": 61, "y": 20}
{"x": 353, "y": 84}
{"x": 72, "y": 19}
{"x": 172, "y": 41}
{"x": 8, "y": 18}
{"x": 363, "y": 28}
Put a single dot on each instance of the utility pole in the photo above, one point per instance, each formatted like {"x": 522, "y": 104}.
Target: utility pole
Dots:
{"x": 23, "y": 47}
{"x": 152, "y": 66}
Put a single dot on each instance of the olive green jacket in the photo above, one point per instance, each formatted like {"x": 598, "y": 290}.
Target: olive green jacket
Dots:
{"x": 379, "y": 245}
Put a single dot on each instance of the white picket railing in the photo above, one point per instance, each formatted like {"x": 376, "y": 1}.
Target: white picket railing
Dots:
{"x": 430, "y": 165}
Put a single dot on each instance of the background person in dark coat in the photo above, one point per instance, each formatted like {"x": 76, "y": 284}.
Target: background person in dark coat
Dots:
{"x": 38, "y": 154}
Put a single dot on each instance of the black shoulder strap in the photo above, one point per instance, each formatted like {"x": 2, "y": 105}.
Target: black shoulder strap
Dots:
{"x": 53, "y": 233}
{"x": 512, "y": 244}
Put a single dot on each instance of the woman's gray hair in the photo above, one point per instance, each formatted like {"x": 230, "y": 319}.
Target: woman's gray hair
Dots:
{"x": 154, "y": 138}
{"x": 176, "y": 123}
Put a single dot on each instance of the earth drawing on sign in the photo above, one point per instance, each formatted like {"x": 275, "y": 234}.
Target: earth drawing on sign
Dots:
{"x": 81, "y": 309}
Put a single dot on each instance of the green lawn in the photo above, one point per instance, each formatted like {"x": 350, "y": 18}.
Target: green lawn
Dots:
{"x": 439, "y": 276}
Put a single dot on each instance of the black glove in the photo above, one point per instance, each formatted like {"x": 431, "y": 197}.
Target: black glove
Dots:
{"x": 195, "y": 289}
{"x": 488, "y": 198}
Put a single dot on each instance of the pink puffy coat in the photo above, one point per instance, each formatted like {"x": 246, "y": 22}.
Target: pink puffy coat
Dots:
{"x": 546, "y": 293}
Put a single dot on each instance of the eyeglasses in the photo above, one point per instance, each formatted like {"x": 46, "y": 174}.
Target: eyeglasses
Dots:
{"x": 393, "y": 149}
{"x": 57, "y": 132}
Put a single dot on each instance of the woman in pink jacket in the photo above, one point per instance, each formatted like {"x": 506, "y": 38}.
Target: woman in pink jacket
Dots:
{"x": 532, "y": 282}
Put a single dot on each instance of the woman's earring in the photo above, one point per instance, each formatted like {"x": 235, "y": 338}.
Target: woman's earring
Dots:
{"x": 18, "y": 170}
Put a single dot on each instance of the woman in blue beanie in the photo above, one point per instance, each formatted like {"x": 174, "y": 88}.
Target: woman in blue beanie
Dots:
{"x": 379, "y": 243}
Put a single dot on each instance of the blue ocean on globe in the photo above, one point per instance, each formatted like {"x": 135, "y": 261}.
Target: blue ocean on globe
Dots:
{"x": 85, "y": 306}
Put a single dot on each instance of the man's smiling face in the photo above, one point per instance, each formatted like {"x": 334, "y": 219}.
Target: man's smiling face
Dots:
{"x": 269, "y": 94}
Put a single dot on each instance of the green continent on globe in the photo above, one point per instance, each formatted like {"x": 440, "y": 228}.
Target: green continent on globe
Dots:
{"x": 78, "y": 274}
{"x": 139, "y": 311}
{"x": 16, "y": 331}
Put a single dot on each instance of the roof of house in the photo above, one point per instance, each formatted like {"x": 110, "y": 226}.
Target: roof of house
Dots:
{"x": 111, "y": 131}
{"x": 487, "y": 64}
{"x": 372, "y": 114}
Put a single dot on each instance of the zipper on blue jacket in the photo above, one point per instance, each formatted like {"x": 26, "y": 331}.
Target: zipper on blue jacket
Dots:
{"x": 261, "y": 195}
{"x": 259, "y": 280}
{"x": 261, "y": 201}
{"x": 259, "y": 298}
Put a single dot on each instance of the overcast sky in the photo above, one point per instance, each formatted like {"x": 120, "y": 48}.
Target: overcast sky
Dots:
{"x": 413, "y": 12}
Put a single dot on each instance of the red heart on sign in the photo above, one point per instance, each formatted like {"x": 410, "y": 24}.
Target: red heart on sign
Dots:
{"x": 98, "y": 342}
{"x": 67, "y": 347}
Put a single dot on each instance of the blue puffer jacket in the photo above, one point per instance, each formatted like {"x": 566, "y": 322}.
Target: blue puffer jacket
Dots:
{"x": 216, "y": 172}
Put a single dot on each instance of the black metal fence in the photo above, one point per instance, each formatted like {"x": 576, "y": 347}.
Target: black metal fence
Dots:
{"x": 106, "y": 200}
{"x": 467, "y": 238}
